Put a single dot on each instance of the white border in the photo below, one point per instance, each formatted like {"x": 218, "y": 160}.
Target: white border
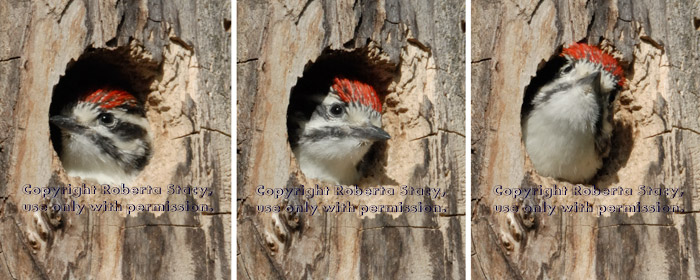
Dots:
{"x": 468, "y": 134}
{"x": 234, "y": 140}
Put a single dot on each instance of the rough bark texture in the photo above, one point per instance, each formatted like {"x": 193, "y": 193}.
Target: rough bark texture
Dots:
{"x": 423, "y": 111}
{"x": 656, "y": 142}
{"x": 177, "y": 53}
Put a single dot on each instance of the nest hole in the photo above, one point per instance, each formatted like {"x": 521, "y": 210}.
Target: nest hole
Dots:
{"x": 622, "y": 135}
{"x": 365, "y": 65}
{"x": 545, "y": 73}
{"x": 123, "y": 68}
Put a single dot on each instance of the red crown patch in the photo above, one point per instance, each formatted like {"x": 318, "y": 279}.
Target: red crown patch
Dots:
{"x": 356, "y": 91}
{"x": 108, "y": 99}
{"x": 579, "y": 51}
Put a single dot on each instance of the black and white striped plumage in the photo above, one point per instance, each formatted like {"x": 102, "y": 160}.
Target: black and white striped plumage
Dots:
{"x": 332, "y": 132}
{"x": 105, "y": 137}
{"x": 567, "y": 133}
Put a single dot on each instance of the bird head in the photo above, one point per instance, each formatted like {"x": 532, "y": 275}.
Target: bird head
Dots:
{"x": 343, "y": 124}
{"x": 104, "y": 134}
{"x": 586, "y": 64}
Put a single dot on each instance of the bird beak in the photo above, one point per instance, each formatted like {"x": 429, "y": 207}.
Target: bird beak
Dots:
{"x": 66, "y": 123}
{"x": 593, "y": 79}
{"x": 374, "y": 133}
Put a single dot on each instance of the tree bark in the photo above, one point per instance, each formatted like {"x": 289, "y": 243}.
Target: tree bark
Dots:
{"x": 424, "y": 112}
{"x": 655, "y": 143}
{"x": 176, "y": 56}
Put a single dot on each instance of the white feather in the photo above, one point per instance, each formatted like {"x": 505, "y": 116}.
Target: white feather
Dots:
{"x": 559, "y": 132}
{"x": 335, "y": 159}
{"x": 82, "y": 158}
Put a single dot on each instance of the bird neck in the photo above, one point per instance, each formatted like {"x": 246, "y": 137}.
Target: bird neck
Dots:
{"x": 336, "y": 171}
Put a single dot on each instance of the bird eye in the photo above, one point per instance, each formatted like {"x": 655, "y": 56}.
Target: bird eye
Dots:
{"x": 567, "y": 69}
{"x": 106, "y": 119}
{"x": 336, "y": 110}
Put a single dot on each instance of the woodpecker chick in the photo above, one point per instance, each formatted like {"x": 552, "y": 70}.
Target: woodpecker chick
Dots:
{"x": 334, "y": 130}
{"x": 105, "y": 137}
{"x": 567, "y": 133}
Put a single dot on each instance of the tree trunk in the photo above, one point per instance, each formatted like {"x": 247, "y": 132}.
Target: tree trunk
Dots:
{"x": 175, "y": 56}
{"x": 419, "y": 46}
{"x": 655, "y": 142}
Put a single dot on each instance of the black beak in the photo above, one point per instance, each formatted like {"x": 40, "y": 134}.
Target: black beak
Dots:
{"x": 593, "y": 79}
{"x": 374, "y": 133}
{"x": 66, "y": 123}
